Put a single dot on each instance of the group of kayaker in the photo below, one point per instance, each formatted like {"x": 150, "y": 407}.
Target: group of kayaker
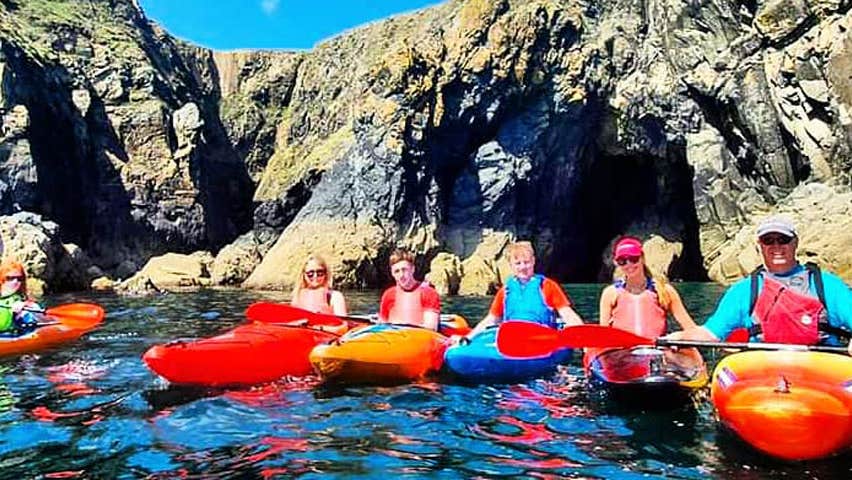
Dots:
{"x": 782, "y": 302}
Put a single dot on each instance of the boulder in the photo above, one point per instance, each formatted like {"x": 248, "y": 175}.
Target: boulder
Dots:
{"x": 445, "y": 273}
{"x": 235, "y": 262}
{"x": 36, "y": 243}
{"x": 169, "y": 272}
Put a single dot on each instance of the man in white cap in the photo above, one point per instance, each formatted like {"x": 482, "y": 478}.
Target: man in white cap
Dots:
{"x": 783, "y": 301}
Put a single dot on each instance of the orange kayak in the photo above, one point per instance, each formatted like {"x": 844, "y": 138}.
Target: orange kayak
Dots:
{"x": 380, "y": 354}
{"x": 791, "y": 405}
{"x": 61, "y": 324}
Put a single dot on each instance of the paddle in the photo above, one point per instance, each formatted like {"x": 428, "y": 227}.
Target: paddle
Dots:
{"x": 268, "y": 312}
{"x": 281, "y": 313}
{"x": 75, "y": 315}
{"x": 527, "y": 339}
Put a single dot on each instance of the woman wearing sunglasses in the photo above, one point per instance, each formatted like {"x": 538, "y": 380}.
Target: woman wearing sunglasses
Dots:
{"x": 313, "y": 291}
{"x": 16, "y": 308}
{"x": 638, "y": 301}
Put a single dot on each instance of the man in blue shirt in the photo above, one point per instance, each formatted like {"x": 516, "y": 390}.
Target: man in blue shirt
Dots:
{"x": 784, "y": 301}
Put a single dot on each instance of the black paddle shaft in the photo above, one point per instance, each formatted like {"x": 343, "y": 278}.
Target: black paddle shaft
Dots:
{"x": 662, "y": 342}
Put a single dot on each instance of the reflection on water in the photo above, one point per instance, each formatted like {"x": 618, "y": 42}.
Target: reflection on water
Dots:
{"x": 92, "y": 410}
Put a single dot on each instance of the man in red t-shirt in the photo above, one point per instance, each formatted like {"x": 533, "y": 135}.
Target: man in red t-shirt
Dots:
{"x": 409, "y": 302}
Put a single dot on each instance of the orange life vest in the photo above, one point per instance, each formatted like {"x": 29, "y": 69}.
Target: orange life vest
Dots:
{"x": 317, "y": 300}
{"x": 640, "y": 313}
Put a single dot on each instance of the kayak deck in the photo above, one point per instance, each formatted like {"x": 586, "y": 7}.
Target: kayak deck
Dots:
{"x": 479, "y": 361}
{"x": 791, "y": 405}
{"x": 647, "y": 376}
{"x": 380, "y": 354}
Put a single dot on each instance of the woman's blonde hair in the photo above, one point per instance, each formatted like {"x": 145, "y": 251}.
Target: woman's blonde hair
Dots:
{"x": 9, "y": 266}
{"x": 660, "y": 283}
{"x": 302, "y": 283}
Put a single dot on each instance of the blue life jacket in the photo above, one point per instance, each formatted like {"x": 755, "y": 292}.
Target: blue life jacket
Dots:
{"x": 526, "y": 302}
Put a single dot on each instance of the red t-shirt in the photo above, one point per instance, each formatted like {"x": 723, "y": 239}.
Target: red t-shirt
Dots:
{"x": 554, "y": 297}
{"x": 429, "y": 299}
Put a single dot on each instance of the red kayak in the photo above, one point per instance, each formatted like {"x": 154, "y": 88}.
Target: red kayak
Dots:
{"x": 791, "y": 405}
{"x": 247, "y": 355}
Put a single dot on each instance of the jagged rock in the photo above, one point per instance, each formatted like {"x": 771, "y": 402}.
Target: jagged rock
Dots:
{"x": 187, "y": 123}
{"x": 352, "y": 251}
{"x": 445, "y": 273}
{"x": 168, "y": 272}
{"x": 816, "y": 90}
{"x": 235, "y": 262}
{"x": 35, "y": 242}
{"x": 816, "y": 209}
{"x": 486, "y": 268}
{"x": 102, "y": 283}
{"x": 661, "y": 254}
{"x": 123, "y": 131}
{"x": 776, "y": 19}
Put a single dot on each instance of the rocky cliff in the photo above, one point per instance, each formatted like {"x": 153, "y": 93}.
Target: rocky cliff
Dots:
{"x": 111, "y": 129}
{"x": 451, "y": 130}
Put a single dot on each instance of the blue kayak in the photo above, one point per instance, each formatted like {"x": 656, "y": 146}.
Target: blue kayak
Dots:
{"x": 480, "y": 362}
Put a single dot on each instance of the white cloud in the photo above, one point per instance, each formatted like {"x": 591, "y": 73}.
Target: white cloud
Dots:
{"x": 269, "y": 6}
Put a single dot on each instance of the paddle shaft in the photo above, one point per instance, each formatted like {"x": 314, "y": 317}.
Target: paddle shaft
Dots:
{"x": 662, "y": 342}
{"x": 34, "y": 310}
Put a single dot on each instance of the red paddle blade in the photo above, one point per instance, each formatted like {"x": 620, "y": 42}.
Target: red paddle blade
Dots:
{"x": 77, "y": 315}
{"x": 739, "y": 335}
{"x": 526, "y": 339}
{"x": 598, "y": 336}
{"x": 268, "y": 312}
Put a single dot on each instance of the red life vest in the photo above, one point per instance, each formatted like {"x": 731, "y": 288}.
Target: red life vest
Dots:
{"x": 317, "y": 300}
{"x": 640, "y": 313}
{"x": 787, "y": 316}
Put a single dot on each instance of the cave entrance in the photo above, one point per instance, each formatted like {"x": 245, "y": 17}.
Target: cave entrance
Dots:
{"x": 639, "y": 195}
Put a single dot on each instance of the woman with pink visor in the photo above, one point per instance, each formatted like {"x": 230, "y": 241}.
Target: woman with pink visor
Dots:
{"x": 639, "y": 301}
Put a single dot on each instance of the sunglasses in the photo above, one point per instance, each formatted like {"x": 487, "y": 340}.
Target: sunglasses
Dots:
{"x": 12, "y": 278}
{"x": 625, "y": 260}
{"x": 776, "y": 240}
{"x": 314, "y": 273}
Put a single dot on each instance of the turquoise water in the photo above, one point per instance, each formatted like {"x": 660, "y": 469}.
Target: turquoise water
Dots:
{"x": 92, "y": 410}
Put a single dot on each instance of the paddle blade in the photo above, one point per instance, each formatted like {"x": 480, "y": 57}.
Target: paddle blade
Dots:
{"x": 77, "y": 315}
{"x": 526, "y": 339}
{"x": 598, "y": 336}
{"x": 739, "y": 335}
{"x": 268, "y": 312}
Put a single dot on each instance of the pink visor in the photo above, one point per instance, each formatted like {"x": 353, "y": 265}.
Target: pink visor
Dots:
{"x": 627, "y": 247}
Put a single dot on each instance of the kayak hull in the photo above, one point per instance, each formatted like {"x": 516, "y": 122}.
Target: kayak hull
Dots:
{"x": 646, "y": 376}
{"x": 380, "y": 354}
{"x": 790, "y": 405}
{"x": 49, "y": 336}
{"x": 249, "y": 354}
{"x": 480, "y": 362}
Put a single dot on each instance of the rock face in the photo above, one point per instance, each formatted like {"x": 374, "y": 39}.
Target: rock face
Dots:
{"x": 35, "y": 242}
{"x": 110, "y": 128}
{"x": 451, "y": 130}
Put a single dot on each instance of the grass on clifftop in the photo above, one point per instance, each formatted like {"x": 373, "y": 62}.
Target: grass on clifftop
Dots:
{"x": 36, "y": 25}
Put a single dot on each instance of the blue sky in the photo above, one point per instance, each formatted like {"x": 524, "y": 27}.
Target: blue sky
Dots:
{"x": 283, "y": 24}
